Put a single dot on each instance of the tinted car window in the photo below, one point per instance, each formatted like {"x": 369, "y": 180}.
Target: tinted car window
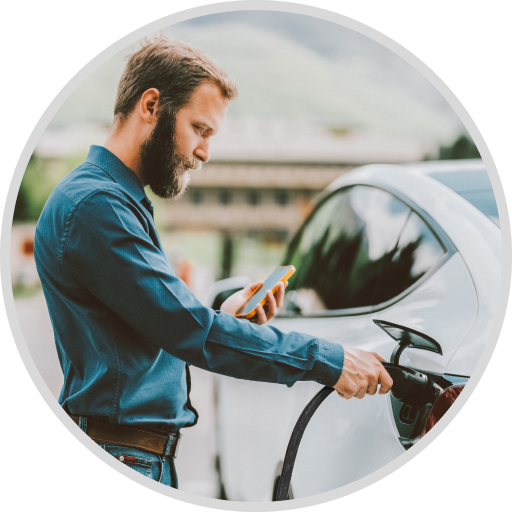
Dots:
{"x": 418, "y": 251}
{"x": 344, "y": 249}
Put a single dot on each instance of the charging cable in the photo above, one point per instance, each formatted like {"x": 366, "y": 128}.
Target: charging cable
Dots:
{"x": 409, "y": 386}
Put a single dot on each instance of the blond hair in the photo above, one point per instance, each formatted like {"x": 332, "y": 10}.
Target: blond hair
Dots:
{"x": 174, "y": 68}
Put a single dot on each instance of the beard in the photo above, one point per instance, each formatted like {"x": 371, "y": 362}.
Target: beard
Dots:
{"x": 162, "y": 168}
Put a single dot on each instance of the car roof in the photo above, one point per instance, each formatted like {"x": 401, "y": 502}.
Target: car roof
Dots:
{"x": 468, "y": 178}
{"x": 459, "y": 175}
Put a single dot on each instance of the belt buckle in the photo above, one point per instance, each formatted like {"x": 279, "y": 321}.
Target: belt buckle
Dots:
{"x": 178, "y": 444}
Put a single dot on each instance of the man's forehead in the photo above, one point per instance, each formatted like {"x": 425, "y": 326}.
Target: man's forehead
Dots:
{"x": 207, "y": 105}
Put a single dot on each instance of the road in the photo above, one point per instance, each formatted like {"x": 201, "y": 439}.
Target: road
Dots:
{"x": 196, "y": 461}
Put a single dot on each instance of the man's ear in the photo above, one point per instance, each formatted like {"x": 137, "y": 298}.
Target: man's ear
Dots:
{"x": 148, "y": 106}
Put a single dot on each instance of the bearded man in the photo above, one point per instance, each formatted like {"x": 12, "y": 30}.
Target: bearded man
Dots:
{"x": 126, "y": 328}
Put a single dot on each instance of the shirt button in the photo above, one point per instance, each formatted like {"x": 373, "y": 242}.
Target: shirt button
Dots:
{"x": 121, "y": 458}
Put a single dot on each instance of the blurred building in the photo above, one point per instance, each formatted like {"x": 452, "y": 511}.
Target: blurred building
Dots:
{"x": 262, "y": 177}
{"x": 261, "y": 180}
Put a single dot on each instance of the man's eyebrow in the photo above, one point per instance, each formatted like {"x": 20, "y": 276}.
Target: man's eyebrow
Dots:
{"x": 203, "y": 123}
{"x": 204, "y": 126}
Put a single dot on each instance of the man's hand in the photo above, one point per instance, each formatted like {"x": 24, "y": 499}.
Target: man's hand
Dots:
{"x": 361, "y": 375}
{"x": 238, "y": 300}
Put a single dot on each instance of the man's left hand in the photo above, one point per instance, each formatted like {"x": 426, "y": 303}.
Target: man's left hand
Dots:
{"x": 239, "y": 300}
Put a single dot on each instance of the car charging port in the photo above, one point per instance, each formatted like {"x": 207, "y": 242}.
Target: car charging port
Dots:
{"x": 408, "y": 414}
{"x": 412, "y": 396}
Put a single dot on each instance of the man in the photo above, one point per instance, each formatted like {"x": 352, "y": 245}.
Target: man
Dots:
{"x": 125, "y": 326}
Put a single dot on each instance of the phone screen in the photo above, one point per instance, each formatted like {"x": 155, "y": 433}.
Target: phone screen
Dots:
{"x": 269, "y": 283}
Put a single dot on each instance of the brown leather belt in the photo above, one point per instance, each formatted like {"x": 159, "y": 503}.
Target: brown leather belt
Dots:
{"x": 133, "y": 437}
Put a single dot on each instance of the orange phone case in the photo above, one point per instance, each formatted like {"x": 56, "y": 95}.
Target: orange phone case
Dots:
{"x": 264, "y": 300}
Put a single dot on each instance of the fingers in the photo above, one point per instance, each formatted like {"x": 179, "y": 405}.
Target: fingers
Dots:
{"x": 386, "y": 382}
{"x": 360, "y": 393}
{"x": 270, "y": 306}
{"x": 259, "y": 317}
{"x": 273, "y": 301}
{"x": 381, "y": 359}
{"x": 372, "y": 387}
{"x": 280, "y": 294}
{"x": 362, "y": 373}
{"x": 252, "y": 288}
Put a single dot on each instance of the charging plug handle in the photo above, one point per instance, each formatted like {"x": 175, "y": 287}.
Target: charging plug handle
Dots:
{"x": 410, "y": 386}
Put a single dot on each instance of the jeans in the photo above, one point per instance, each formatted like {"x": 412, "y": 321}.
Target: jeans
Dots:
{"x": 156, "y": 467}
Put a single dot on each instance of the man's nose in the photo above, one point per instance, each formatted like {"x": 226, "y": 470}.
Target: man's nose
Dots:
{"x": 202, "y": 151}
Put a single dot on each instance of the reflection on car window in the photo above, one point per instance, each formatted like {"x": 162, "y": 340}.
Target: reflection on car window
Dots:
{"x": 344, "y": 250}
{"x": 417, "y": 252}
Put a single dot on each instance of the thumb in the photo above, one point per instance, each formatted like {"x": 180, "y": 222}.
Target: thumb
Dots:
{"x": 252, "y": 288}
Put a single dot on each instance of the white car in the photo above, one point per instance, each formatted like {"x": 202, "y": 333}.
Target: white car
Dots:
{"x": 390, "y": 254}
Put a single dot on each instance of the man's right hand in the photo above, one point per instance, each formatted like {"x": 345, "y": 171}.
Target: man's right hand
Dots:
{"x": 361, "y": 375}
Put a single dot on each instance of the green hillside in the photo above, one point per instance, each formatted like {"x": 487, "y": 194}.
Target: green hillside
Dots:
{"x": 279, "y": 78}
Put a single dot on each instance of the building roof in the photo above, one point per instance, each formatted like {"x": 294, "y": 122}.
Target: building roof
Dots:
{"x": 285, "y": 142}
{"x": 261, "y": 142}
{"x": 265, "y": 176}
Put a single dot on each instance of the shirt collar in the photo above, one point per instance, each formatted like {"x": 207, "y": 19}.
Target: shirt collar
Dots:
{"x": 104, "y": 159}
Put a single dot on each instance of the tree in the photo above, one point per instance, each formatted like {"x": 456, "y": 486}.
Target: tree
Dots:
{"x": 22, "y": 207}
{"x": 461, "y": 149}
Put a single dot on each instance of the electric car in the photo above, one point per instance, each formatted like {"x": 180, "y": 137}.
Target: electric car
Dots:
{"x": 403, "y": 261}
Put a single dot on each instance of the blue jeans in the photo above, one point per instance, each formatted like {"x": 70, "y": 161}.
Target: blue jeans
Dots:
{"x": 156, "y": 467}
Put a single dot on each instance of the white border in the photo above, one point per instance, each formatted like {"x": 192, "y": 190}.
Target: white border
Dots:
{"x": 159, "y": 24}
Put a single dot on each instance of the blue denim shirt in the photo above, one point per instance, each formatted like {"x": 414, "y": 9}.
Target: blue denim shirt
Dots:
{"x": 125, "y": 326}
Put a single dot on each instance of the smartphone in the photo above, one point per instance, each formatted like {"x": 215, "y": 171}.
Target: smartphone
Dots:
{"x": 259, "y": 297}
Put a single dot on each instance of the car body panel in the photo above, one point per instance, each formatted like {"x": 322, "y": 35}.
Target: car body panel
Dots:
{"x": 270, "y": 411}
{"x": 252, "y": 436}
{"x": 347, "y": 440}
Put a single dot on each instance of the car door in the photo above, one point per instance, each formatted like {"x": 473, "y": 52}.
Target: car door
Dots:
{"x": 367, "y": 255}
{"x": 363, "y": 254}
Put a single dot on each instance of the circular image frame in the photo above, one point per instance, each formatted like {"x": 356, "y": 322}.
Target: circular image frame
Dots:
{"x": 298, "y": 9}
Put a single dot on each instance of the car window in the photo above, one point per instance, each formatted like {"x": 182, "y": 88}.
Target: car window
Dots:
{"x": 417, "y": 252}
{"x": 344, "y": 249}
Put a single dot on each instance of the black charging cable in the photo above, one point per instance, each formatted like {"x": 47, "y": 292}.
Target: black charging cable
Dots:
{"x": 409, "y": 386}
{"x": 283, "y": 487}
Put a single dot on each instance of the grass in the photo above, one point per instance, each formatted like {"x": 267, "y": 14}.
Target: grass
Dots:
{"x": 25, "y": 292}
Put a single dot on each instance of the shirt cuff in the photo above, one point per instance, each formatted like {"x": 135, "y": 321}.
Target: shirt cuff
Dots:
{"x": 329, "y": 364}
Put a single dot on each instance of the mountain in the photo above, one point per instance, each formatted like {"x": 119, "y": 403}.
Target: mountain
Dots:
{"x": 295, "y": 68}
{"x": 279, "y": 77}
{"x": 340, "y": 45}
